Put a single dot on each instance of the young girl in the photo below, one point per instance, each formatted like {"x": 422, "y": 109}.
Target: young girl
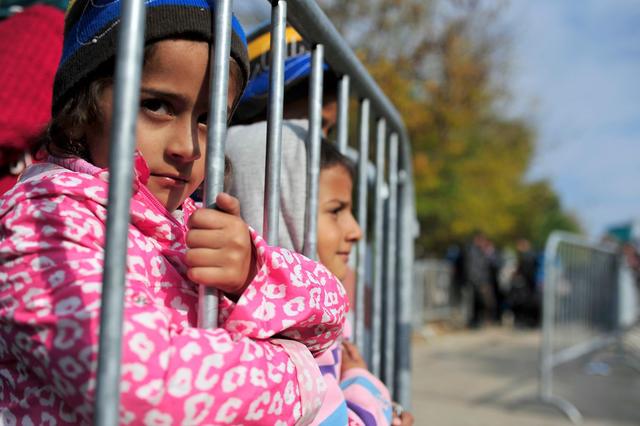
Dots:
{"x": 279, "y": 308}
{"x": 354, "y": 395}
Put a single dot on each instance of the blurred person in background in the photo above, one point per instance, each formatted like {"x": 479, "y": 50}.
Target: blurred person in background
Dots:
{"x": 524, "y": 297}
{"x": 30, "y": 49}
{"x": 478, "y": 279}
{"x": 494, "y": 260}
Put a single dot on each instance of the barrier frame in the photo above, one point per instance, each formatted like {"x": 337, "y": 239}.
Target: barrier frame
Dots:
{"x": 550, "y": 359}
{"x": 316, "y": 29}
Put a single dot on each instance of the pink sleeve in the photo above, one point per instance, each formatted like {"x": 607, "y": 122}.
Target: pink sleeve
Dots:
{"x": 50, "y": 285}
{"x": 291, "y": 296}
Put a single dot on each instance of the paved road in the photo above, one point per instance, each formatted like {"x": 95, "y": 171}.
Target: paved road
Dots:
{"x": 477, "y": 378}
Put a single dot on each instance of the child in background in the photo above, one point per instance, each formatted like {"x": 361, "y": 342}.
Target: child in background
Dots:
{"x": 364, "y": 400}
{"x": 278, "y": 310}
{"x": 354, "y": 395}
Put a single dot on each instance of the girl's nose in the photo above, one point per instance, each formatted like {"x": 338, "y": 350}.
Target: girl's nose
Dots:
{"x": 184, "y": 145}
{"x": 354, "y": 233}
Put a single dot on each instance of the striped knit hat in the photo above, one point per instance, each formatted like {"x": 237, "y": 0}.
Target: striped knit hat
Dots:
{"x": 90, "y": 37}
{"x": 297, "y": 70}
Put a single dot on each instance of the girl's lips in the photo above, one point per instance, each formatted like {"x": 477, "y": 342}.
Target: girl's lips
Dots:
{"x": 170, "y": 181}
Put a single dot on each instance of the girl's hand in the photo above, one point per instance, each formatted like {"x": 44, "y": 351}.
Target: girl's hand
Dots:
{"x": 351, "y": 357}
{"x": 404, "y": 419}
{"x": 221, "y": 253}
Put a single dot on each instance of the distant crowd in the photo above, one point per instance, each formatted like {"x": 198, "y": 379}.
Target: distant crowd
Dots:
{"x": 497, "y": 284}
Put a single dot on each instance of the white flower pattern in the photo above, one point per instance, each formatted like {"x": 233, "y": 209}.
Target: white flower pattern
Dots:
{"x": 52, "y": 227}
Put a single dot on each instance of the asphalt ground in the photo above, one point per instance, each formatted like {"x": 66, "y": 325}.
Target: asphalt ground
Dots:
{"x": 490, "y": 377}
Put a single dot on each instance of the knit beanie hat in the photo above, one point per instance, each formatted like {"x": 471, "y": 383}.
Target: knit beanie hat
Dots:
{"x": 90, "y": 37}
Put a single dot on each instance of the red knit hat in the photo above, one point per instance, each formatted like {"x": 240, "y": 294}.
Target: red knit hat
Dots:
{"x": 30, "y": 49}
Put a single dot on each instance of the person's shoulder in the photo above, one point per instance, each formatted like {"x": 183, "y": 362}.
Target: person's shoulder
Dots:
{"x": 241, "y": 132}
{"x": 254, "y": 134}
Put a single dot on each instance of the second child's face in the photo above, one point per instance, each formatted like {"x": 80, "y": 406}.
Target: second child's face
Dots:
{"x": 337, "y": 228}
{"x": 171, "y": 127}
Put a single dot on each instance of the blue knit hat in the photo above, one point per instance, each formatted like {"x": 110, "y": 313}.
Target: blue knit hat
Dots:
{"x": 297, "y": 70}
{"x": 90, "y": 37}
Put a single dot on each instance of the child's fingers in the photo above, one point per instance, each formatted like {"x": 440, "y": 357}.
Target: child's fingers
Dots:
{"x": 215, "y": 257}
{"x": 204, "y": 238}
{"x": 407, "y": 419}
{"x": 351, "y": 349}
{"x": 208, "y": 219}
{"x": 228, "y": 204}
{"x": 203, "y": 257}
{"x": 346, "y": 350}
{"x": 220, "y": 278}
{"x": 209, "y": 276}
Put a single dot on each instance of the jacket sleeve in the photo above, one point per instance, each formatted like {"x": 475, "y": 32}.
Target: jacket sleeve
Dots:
{"x": 292, "y": 297}
{"x": 368, "y": 400}
{"x": 50, "y": 284}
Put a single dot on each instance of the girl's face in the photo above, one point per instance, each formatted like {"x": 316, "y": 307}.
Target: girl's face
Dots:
{"x": 337, "y": 228}
{"x": 172, "y": 120}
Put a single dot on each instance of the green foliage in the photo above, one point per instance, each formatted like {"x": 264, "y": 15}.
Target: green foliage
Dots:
{"x": 442, "y": 63}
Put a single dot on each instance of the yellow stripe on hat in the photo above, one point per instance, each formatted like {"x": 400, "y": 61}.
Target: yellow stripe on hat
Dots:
{"x": 262, "y": 44}
{"x": 69, "y": 6}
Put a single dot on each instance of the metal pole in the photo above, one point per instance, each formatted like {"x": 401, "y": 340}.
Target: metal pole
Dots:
{"x": 378, "y": 236}
{"x": 363, "y": 160}
{"x": 128, "y": 74}
{"x": 313, "y": 152}
{"x": 391, "y": 283}
{"x": 548, "y": 317}
{"x": 216, "y": 135}
{"x": 407, "y": 233}
{"x": 343, "y": 114}
{"x": 274, "y": 122}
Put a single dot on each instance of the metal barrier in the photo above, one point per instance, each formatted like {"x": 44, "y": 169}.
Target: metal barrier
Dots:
{"x": 317, "y": 29}
{"x": 434, "y": 298}
{"x": 580, "y": 308}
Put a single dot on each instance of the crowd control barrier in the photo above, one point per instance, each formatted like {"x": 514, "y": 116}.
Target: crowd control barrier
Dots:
{"x": 581, "y": 310}
{"x": 433, "y": 294}
{"x": 394, "y": 224}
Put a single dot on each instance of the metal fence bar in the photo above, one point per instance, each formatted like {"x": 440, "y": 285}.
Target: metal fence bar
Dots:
{"x": 407, "y": 231}
{"x": 548, "y": 317}
{"x": 313, "y": 152}
{"x": 391, "y": 259}
{"x": 128, "y": 74}
{"x": 363, "y": 160}
{"x": 274, "y": 122}
{"x": 342, "y": 137}
{"x": 216, "y": 135}
{"x": 378, "y": 240}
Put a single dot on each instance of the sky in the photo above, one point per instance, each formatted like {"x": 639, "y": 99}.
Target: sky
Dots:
{"x": 576, "y": 74}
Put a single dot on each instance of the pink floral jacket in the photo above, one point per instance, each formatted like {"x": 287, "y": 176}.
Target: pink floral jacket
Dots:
{"x": 257, "y": 368}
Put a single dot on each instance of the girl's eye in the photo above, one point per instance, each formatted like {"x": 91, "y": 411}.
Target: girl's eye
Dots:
{"x": 336, "y": 211}
{"x": 156, "y": 106}
{"x": 203, "y": 118}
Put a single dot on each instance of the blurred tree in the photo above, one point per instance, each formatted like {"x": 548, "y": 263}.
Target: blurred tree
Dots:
{"x": 443, "y": 63}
